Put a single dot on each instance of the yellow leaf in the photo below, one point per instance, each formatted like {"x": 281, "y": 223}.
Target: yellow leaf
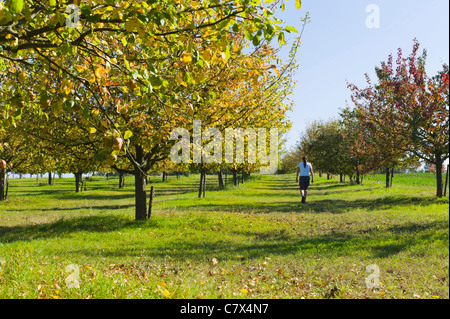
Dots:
{"x": 92, "y": 130}
{"x": 22, "y": 77}
{"x": 207, "y": 54}
{"x": 166, "y": 293}
{"x": 131, "y": 25}
{"x": 244, "y": 291}
{"x": 186, "y": 58}
{"x": 141, "y": 30}
{"x": 276, "y": 70}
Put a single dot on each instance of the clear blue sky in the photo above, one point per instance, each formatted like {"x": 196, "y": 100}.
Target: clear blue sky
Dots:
{"x": 338, "y": 47}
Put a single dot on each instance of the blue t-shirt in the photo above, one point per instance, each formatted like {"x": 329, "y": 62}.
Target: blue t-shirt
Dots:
{"x": 304, "y": 171}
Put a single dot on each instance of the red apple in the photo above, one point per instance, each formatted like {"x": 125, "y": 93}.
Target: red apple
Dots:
{"x": 118, "y": 143}
{"x": 2, "y": 164}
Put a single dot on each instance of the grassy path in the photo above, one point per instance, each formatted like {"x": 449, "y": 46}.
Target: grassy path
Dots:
{"x": 252, "y": 241}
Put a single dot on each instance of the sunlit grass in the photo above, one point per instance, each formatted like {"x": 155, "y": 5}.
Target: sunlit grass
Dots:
{"x": 252, "y": 241}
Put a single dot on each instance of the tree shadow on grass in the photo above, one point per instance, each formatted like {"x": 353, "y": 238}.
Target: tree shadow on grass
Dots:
{"x": 258, "y": 245}
{"x": 250, "y": 243}
{"x": 335, "y": 206}
{"x": 77, "y": 208}
{"x": 64, "y": 227}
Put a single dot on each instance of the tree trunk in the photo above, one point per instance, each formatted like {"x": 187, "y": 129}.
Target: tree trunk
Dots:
{"x": 439, "y": 184}
{"x": 235, "y": 179}
{"x": 358, "y": 179}
{"x": 150, "y": 204}
{"x": 446, "y": 182}
{"x": 341, "y": 179}
{"x": 121, "y": 180}
{"x": 387, "y": 177}
{"x": 392, "y": 177}
{"x": 140, "y": 192}
{"x": 226, "y": 178}
{"x": 140, "y": 185}
{"x": 220, "y": 176}
{"x": 50, "y": 178}
{"x": 200, "y": 189}
{"x": 78, "y": 182}
{"x": 2, "y": 185}
{"x": 204, "y": 184}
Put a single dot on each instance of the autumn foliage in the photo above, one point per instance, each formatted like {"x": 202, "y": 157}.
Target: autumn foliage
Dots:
{"x": 406, "y": 113}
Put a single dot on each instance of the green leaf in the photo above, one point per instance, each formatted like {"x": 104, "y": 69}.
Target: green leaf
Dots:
{"x": 52, "y": 3}
{"x": 291, "y": 29}
{"x": 281, "y": 39}
{"x": 248, "y": 35}
{"x": 256, "y": 41}
{"x": 227, "y": 53}
{"x": 156, "y": 81}
{"x": 127, "y": 135}
{"x": 16, "y": 6}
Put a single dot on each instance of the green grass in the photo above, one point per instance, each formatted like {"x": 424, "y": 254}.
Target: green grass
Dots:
{"x": 413, "y": 179}
{"x": 251, "y": 241}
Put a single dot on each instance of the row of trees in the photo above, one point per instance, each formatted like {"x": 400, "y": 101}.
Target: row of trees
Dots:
{"x": 399, "y": 121}
{"x": 107, "y": 94}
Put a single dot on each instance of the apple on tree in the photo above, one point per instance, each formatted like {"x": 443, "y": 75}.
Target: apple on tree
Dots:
{"x": 118, "y": 143}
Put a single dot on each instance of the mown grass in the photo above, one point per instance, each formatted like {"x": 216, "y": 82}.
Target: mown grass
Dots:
{"x": 251, "y": 241}
{"x": 413, "y": 179}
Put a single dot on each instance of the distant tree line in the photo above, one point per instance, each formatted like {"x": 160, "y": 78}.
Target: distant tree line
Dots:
{"x": 397, "y": 122}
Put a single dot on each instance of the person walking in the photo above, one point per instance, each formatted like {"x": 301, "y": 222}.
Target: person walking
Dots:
{"x": 304, "y": 169}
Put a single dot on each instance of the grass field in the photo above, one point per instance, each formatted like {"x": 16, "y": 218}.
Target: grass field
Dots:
{"x": 413, "y": 179}
{"x": 252, "y": 241}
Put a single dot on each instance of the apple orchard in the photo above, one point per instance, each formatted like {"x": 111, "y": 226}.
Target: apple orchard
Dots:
{"x": 106, "y": 95}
